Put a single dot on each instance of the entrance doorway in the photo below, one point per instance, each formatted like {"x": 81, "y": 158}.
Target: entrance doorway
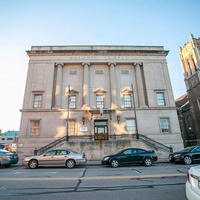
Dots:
{"x": 101, "y": 129}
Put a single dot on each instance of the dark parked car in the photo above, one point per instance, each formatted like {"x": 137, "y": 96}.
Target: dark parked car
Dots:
{"x": 7, "y": 158}
{"x": 130, "y": 156}
{"x": 4, "y": 160}
{"x": 188, "y": 155}
{"x": 55, "y": 157}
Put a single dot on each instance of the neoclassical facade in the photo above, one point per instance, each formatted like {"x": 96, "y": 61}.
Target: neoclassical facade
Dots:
{"x": 100, "y": 99}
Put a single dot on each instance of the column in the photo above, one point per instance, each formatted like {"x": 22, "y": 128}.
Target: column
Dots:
{"x": 58, "y": 86}
{"x": 113, "y": 87}
{"x": 86, "y": 95}
{"x": 139, "y": 82}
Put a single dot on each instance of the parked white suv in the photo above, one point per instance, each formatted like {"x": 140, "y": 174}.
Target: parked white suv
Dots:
{"x": 193, "y": 183}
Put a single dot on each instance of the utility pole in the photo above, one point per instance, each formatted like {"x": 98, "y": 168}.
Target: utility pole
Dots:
{"x": 68, "y": 101}
{"x": 136, "y": 126}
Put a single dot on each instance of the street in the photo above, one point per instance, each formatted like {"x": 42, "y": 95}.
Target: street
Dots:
{"x": 160, "y": 181}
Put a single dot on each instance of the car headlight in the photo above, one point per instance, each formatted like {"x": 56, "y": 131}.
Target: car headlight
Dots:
{"x": 177, "y": 155}
{"x": 106, "y": 158}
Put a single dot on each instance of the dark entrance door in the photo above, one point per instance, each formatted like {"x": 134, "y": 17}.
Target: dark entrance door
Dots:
{"x": 101, "y": 130}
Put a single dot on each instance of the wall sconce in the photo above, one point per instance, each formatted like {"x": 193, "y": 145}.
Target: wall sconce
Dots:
{"x": 83, "y": 120}
{"x": 118, "y": 119}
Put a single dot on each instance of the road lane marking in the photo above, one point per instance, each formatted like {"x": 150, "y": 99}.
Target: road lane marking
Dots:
{"x": 91, "y": 178}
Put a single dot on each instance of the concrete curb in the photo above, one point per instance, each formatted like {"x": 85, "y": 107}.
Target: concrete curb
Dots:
{"x": 98, "y": 162}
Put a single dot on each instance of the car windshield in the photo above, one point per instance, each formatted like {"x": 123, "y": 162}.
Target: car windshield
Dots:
{"x": 5, "y": 151}
{"x": 188, "y": 148}
{"x": 50, "y": 153}
{"x": 74, "y": 152}
{"x": 120, "y": 152}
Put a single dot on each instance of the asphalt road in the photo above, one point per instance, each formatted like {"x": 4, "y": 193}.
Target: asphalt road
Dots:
{"x": 162, "y": 181}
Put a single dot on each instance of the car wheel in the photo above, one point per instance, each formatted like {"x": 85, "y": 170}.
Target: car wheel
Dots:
{"x": 33, "y": 164}
{"x": 187, "y": 160}
{"x": 114, "y": 163}
{"x": 70, "y": 163}
{"x": 147, "y": 161}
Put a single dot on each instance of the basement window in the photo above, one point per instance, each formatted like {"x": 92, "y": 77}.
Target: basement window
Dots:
{"x": 35, "y": 127}
{"x": 164, "y": 124}
{"x": 130, "y": 125}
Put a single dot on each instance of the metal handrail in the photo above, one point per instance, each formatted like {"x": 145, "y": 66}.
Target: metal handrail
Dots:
{"x": 49, "y": 146}
{"x": 154, "y": 143}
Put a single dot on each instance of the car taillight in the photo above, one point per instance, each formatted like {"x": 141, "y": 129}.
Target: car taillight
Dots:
{"x": 188, "y": 177}
{"x": 83, "y": 156}
{"x": 7, "y": 156}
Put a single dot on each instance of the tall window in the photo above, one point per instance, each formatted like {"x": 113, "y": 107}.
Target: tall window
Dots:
{"x": 160, "y": 96}
{"x": 127, "y": 101}
{"x": 37, "y": 101}
{"x": 130, "y": 125}
{"x": 35, "y": 127}
{"x": 198, "y": 102}
{"x": 164, "y": 124}
{"x": 71, "y": 127}
{"x": 72, "y": 102}
{"x": 99, "y": 100}
{"x": 189, "y": 66}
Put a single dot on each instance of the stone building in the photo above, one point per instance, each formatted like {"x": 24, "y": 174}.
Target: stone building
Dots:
{"x": 98, "y": 99}
{"x": 190, "y": 60}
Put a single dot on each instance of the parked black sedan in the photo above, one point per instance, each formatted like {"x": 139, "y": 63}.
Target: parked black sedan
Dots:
{"x": 188, "y": 155}
{"x": 130, "y": 156}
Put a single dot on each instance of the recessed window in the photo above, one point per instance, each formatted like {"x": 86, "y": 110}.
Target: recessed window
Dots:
{"x": 127, "y": 101}
{"x": 35, "y": 127}
{"x": 164, "y": 124}
{"x": 37, "y": 101}
{"x": 99, "y": 100}
{"x": 130, "y": 125}
{"x": 160, "y": 97}
{"x": 72, "y": 102}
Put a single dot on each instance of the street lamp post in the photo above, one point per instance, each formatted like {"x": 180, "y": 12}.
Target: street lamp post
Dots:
{"x": 68, "y": 101}
{"x": 136, "y": 126}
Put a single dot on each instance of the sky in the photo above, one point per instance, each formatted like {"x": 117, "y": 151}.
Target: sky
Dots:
{"x": 26, "y": 23}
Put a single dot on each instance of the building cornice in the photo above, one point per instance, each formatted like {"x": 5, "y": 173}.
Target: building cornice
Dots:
{"x": 95, "y": 50}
